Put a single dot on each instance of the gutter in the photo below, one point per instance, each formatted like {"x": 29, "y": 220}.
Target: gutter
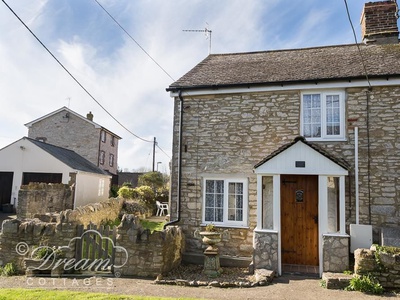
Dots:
{"x": 179, "y": 164}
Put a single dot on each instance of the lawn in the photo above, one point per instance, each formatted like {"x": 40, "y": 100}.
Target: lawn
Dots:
{"x": 31, "y": 294}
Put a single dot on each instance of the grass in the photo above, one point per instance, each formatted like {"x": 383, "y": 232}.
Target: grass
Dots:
{"x": 152, "y": 226}
{"x": 31, "y": 294}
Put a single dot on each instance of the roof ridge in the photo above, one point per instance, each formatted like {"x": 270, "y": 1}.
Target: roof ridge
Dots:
{"x": 288, "y": 50}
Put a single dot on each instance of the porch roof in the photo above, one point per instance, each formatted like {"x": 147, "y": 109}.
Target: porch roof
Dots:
{"x": 339, "y": 161}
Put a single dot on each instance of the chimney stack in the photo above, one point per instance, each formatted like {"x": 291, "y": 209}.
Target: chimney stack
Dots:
{"x": 379, "y": 23}
{"x": 89, "y": 116}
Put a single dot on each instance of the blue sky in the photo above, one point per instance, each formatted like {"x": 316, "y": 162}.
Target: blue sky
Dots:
{"x": 121, "y": 76}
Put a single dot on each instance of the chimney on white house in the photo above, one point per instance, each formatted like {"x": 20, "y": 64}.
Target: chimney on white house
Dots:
{"x": 89, "y": 116}
{"x": 379, "y": 23}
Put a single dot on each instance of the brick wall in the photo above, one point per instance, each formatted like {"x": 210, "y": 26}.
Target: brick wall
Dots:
{"x": 229, "y": 134}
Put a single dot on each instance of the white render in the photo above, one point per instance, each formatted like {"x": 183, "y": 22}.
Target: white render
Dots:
{"x": 24, "y": 156}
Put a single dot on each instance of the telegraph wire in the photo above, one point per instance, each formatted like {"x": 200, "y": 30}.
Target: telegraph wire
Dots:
{"x": 136, "y": 42}
{"x": 72, "y": 76}
{"x": 358, "y": 46}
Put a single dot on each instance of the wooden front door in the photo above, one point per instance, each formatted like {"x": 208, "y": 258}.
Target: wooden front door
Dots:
{"x": 299, "y": 219}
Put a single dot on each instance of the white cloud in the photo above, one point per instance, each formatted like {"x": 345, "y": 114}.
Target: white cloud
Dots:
{"x": 120, "y": 75}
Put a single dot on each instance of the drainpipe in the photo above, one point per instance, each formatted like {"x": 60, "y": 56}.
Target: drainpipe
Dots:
{"x": 356, "y": 174}
{"x": 179, "y": 163}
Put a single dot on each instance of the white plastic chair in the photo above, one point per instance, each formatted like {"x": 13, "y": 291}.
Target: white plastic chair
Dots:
{"x": 162, "y": 208}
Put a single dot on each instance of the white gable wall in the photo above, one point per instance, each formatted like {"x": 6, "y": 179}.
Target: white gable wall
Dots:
{"x": 24, "y": 156}
{"x": 315, "y": 163}
{"x": 91, "y": 188}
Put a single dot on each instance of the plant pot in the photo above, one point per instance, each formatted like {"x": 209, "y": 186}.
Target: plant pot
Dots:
{"x": 211, "y": 238}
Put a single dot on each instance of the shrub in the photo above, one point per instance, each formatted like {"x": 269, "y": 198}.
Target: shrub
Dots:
{"x": 146, "y": 195}
{"x": 365, "y": 284}
{"x": 9, "y": 269}
{"x": 126, "y": 192}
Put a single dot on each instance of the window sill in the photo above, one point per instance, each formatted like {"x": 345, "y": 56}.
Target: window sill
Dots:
{"x": 337, "y": 234}
{"x": 266, "y": 231}
{"x": 326, "y": 140}
{"x": 226, "y": 226}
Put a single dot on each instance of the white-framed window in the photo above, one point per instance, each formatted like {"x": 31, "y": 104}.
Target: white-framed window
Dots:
{"x": 323, "y": 115}
{"x": 225, "y": 201}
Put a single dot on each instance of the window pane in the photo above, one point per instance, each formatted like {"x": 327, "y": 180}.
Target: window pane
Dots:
{"x": 209, "y": 215}
{"x": 333, "y": 204}
{"x": 235, "y": 201}
{"x": 219, "y": 217}
{"x": 312, "y": 115}
{"x": 332, "y": 115}
{"x": 267, "y": 202}
{"x": 214, "y": 200}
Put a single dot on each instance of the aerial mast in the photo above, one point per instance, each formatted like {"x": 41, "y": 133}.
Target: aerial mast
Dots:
{"x": 207, "y": 33}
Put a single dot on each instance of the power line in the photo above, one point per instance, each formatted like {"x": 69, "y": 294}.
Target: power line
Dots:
{"x": 136, "y": 42}
{"x": 358, "y": 46}
{"x": 72, "y": 76}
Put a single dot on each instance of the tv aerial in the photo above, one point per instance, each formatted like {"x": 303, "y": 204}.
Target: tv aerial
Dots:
{"x": 207, "y": 34}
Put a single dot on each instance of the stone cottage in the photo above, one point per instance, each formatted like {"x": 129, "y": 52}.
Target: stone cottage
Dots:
{"x": 67, "y": 129}
{"x": 264, "y": 147}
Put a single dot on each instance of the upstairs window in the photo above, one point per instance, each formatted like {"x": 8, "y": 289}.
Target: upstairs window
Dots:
{"x": 102, "y": 157}
{"x": 103, "y": 136}
{"x": 225, "y": 202}
{"x": 112, "y": 140}
{"x": 322, "y": 116}
{"x": 111, "y": 160}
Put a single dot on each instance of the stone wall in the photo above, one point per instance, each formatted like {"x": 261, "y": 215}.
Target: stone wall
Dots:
{"x": 70, "y": 132}
{"x": 227, "y": 134}
{"x": 265, "y": 254}
{"x": 335, "y": 253}
{"x": 42, "y": 198}
{"x": 148, "y": 254}
{"x": 384, "y": 267}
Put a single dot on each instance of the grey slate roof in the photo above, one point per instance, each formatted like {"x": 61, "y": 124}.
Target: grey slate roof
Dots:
{"x": 69, "y": 157}
{"x": 341, "y": 162}
{"x": 340, "y": 62}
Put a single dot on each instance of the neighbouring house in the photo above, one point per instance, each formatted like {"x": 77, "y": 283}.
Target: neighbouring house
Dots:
{"x": 67, "y": 129}
{"x": 265, "y": 147}
{"x": 28, "y": 160}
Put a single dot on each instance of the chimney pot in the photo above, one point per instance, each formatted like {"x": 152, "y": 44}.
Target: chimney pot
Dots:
{"x": 89, "y": 116}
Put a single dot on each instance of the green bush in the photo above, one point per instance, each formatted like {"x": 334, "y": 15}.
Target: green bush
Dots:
{"x": 126, "y": 192}
{"x": 146, "y": 195}
{"x": 9, "y": 269}
{"x": 366, "y": 284}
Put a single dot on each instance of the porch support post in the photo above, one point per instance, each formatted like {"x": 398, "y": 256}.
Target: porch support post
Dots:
{"x": 259, "y": 203}
{"x": 277, "y": 216}
{"x": 342, "y": 205}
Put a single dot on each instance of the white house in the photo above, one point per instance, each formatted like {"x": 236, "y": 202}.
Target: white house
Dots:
{"x": 28, "y": 160}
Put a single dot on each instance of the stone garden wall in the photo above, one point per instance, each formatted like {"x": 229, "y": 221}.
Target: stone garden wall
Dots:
{"x": 383, "y": 266}
{"x": 42, "y": 198}
{"x": 335, "y": 253}
{"x": 148, "y": 254}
